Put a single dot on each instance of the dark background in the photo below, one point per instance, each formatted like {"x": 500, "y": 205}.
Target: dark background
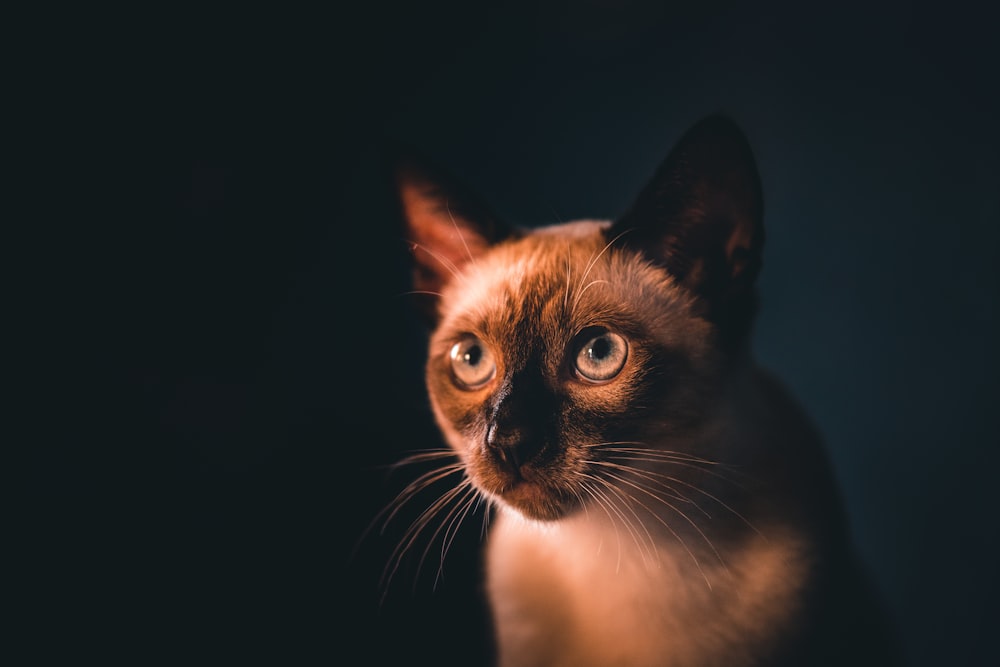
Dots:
{"x": 226, "y": 265}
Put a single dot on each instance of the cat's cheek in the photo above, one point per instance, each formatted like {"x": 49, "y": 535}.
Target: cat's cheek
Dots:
{"x": 601, "y": 400}
{"x": 612, "y": 398}
{"x": 454, "y": 402}
{"x": 460, "y": 431}
{"x": 457, "y": 413}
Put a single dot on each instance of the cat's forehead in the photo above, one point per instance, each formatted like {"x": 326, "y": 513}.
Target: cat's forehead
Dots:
{"x": 592, "y": 230}
{"x": 564, "y": 275}
{"x": 523, "y": 270}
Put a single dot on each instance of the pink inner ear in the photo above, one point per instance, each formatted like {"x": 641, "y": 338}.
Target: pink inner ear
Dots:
{"x": 443, "y": 241}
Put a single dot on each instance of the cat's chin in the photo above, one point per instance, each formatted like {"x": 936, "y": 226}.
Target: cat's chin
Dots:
{"x": 533, "y": 501}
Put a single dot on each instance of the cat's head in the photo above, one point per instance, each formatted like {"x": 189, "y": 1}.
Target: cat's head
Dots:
{"x": 555, "y": 350}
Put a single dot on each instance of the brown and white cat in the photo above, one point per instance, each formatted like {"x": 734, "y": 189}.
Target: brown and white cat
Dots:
{"x": 659, "y": 498}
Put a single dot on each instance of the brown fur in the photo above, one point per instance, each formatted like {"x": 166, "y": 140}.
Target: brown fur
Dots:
{"x": 680, "y": 512}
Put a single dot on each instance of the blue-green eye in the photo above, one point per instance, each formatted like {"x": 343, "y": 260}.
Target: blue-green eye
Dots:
{"x": 472, "y": 363}
{"x": 600, "y": 354}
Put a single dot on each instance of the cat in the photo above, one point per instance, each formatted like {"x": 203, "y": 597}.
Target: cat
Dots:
{"x": 659, "y": 498}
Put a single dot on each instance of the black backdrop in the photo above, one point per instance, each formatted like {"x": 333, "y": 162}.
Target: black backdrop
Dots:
{"x": 249, "y": 285}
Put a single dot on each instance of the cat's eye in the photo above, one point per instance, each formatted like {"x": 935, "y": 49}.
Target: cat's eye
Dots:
{"x": 472, "y": 362}
{"x": 600, "y": 354}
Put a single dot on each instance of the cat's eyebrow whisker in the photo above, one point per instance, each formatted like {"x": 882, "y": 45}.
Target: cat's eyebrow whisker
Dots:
{"x": 593, "y": 262}
{"x": 597, "y": 256}
{"x": 461, "y": 236}
{"x": 569, "y": 276}
{"x": 579, "y": 294}
{"x": 444, "y": 261}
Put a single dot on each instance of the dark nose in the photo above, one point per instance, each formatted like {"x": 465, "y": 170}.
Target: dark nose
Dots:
{"x": 515, "y": 435}
{"x": 512, "y": 446}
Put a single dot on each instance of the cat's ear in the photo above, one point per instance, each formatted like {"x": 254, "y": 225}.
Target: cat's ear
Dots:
{"x": 701, "y": 217}
{"x": 445, "y": 225}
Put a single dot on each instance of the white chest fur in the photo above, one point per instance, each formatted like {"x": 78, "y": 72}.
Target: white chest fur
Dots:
{"x": 585, "y": 591}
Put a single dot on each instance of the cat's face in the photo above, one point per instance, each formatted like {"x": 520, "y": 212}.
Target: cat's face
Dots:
{"x": 558, "y": 353}
{"x": 554, "y": 349}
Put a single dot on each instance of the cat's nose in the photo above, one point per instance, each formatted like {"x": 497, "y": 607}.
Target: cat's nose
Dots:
{"x": 512, "y": 446}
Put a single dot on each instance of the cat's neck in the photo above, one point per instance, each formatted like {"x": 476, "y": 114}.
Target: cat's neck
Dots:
{"x": 609, "y": 590}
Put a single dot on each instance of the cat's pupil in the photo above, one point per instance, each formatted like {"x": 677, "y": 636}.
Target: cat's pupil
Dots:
{"x": 600, "y": 348}
{"x": 473, "y": 355}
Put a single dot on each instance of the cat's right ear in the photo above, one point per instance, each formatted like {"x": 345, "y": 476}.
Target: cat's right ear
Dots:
{"x": 445, "y": 225}
{"x": 701, "y": 218}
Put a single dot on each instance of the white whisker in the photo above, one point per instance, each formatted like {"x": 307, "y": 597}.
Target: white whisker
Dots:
{"x": 569, "y": 277}
{"x": 697, "y": 465}
{"x": 600, "y": 503}
{"x": 590, "y": 266}
{"x": 445, "y": 262}
{"x": 415, "y": 487}
{"x": 457, "y": 517}
{"x": 651, "y": 549}
{"x": 588, "y": 286}
{"x": 652, "y": 478}
{"x": 616, "y": 446}
{"x": 655, "y": 456}
{"x": 415, "y": 529}
{"x": 461, "y": 236}
{"x": 451, "y": 507}
{"x": 414, "y": 292}
{"x": 683, "y": 515}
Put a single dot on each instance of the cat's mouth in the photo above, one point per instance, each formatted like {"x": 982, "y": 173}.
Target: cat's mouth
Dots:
{"x": 527, "y": 492}
{"x": 534, "y": 501}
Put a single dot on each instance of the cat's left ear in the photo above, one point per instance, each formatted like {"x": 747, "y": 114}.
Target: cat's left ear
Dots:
{"x": 445, "y": 224}
{"x": 701, "y": 217}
